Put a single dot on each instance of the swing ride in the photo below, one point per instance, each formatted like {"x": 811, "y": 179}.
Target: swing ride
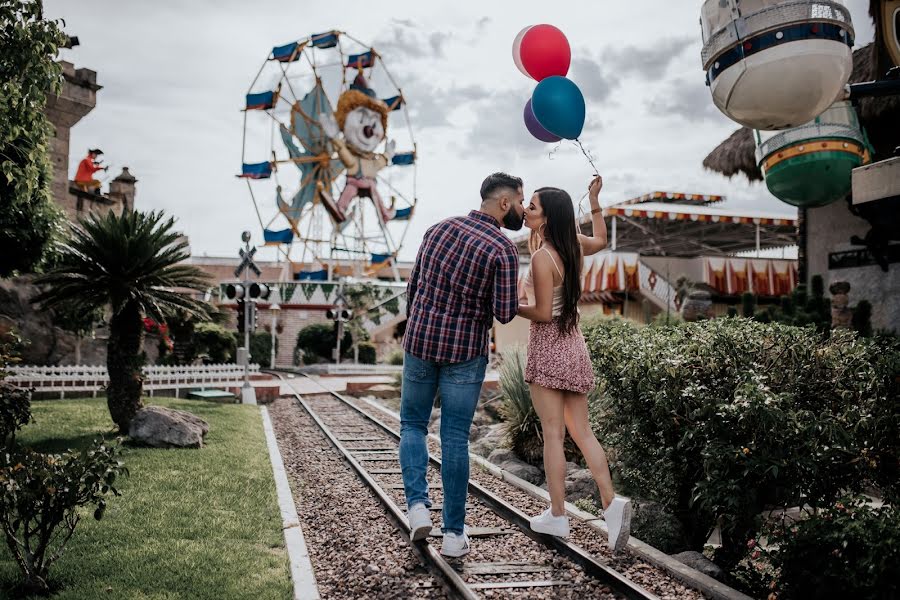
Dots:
{"x": 330, "y": 163}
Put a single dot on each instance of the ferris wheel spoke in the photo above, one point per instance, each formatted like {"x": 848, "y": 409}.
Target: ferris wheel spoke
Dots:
{"x": 308, "y": 86}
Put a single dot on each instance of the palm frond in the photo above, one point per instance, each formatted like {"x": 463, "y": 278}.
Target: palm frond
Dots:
{"x": 119, "y": 259}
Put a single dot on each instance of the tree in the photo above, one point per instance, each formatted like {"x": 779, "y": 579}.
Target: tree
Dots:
{"x": 131, "y": 264}
{"x": 29, "y": 219}
{"x": 367, "y": 302}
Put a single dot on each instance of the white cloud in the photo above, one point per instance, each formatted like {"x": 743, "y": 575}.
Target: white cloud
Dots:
{"x": 174, "y": 76}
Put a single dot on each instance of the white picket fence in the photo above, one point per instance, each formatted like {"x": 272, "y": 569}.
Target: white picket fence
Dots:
{"x": 82, "y": 378}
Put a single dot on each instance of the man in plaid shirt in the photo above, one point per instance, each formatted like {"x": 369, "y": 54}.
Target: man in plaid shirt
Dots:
{"x": 465, "y": 276}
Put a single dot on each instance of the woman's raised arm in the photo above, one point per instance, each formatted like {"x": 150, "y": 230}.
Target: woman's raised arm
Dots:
{"x": 596, "y": 242}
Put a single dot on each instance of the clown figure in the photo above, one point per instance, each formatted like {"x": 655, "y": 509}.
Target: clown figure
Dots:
{"x": 355, "y": 131}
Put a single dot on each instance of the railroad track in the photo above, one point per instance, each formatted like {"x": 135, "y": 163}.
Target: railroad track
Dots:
{"x": 370, "y": 447}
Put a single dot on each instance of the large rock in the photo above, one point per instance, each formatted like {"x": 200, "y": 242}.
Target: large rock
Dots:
{"x": 579, "y": 484}
{"x": 168, "y": 428}
{"x": 697, "y": 561}
{"x": 488, "y": 441}
{"x": 501, "y": 455}
{"x": 523, "y": 470}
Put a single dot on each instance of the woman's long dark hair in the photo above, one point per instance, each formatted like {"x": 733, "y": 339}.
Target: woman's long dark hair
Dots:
{"x": 561, "y": 233}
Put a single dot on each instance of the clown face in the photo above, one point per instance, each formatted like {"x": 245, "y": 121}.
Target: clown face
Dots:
{"x": 363, "y": 129}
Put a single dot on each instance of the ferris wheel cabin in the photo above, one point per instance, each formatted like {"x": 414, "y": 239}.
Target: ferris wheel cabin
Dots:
{"x": 772, "y": 64}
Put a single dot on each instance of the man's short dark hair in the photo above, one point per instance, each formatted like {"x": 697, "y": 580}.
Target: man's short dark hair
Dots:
{"x": 497, "y": 181}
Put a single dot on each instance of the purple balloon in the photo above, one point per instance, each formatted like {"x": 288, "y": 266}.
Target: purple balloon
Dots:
{"x": 535, "y": 127}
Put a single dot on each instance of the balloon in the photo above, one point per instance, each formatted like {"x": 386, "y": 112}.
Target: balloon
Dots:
{"x": 545, "y": 52}
{"x": 517, "y": 51}
{"x": 558, "y": 106}
{"x": 534, "y": 127}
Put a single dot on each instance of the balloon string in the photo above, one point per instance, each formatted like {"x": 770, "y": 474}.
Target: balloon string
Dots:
{"x": 586, "y": 155}
{"x": 552, "y": 152}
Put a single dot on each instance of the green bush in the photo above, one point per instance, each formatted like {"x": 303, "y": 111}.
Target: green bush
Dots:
{"x": 848, "y": 550}
{"x": 367, "y": 353}
{"x": 395, "y": 358}
{"x": 317, "y": 341}
{"x": 721, "y": 420}
{"x": 215, "y": 342}
{"x": 40, "y": 493}
{"x": 261, "y": 348}
{"x": 520, "y": 421}
{"x": 15, "y": 403}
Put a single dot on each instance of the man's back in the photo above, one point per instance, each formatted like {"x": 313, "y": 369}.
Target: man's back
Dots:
{"x": 464, "y": 277}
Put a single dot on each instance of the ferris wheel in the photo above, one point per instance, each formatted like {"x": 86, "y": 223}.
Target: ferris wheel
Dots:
{"x": 329, "y": 157}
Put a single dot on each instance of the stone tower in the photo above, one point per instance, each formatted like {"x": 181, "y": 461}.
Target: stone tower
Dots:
{"x": 77, "y": 98}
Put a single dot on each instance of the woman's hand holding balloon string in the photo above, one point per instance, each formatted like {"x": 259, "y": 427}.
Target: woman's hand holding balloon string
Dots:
{"x": 597, "y": 240}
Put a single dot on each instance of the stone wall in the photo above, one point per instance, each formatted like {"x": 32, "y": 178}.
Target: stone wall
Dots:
{"x": 45, "y": 343}
{"x": 829, "y": 230}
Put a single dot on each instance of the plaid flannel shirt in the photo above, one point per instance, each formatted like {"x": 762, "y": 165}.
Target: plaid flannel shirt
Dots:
{"x": 465, "y": 276}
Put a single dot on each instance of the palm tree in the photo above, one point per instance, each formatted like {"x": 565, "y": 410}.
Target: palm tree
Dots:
{"x": 129, "y": 263}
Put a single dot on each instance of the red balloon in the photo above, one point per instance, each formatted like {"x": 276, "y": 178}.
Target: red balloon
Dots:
{"x": 545, "y": 52}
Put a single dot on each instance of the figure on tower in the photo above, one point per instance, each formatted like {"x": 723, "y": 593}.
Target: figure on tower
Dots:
{"x": 357, "y": 128}
{"x": 84, "y": 177}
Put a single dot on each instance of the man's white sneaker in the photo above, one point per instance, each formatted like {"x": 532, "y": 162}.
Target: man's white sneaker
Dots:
{"x": 618, "y": 522}
{"x": 455, "y": 544}
{"x": 419, "y": 521}
{"x": 547, "y": 523}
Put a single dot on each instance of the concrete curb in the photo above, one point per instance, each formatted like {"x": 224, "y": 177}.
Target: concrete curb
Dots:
{"x": 693, "y": 578}
{"x": 301, "y": 568}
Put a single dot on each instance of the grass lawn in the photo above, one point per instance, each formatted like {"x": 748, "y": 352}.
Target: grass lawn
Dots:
{"x": 189, "y": 524}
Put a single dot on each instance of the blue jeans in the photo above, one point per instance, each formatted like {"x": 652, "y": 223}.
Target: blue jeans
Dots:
{"x": 460, "y": 386}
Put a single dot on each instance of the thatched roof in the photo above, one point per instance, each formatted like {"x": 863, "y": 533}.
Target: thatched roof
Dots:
{"x": 878, "y": 116}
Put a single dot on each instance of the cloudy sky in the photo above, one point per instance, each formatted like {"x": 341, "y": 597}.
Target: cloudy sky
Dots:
{"x": 174, "y": 75}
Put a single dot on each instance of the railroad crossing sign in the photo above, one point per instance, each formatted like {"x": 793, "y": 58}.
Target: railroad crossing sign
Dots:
{"x": 247, "y": 261}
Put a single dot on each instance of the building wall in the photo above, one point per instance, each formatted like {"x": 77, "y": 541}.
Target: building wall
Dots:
{"x": 829, "y": 230}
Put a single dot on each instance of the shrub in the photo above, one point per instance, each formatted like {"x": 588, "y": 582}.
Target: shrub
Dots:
{"x": 748, "y": 304}
{"x": 216, "y": 342}
{"x": 395, "y": 358}
{"x": 721, "y": 420}
{"x": 318, "y": 340}
{"x": 15, "y": 403}
{"x": 261, "y": 348}
{"x": 40, "y": 495}
{"x": 15, "y": 412}
{"x": 848, "y": 550}
{"x": 367, "y": 353}
{"x": 520, "y": 421}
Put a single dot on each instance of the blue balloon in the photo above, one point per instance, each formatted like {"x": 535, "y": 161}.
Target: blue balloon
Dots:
{"x": 558, "y": 106}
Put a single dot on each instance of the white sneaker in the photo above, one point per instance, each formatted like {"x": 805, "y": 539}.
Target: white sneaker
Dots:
{"x": 419, "y": 521}
{"x": 547, "y": 523}
{"x": 618, "y": 522}
{"x": 455, "y": 544}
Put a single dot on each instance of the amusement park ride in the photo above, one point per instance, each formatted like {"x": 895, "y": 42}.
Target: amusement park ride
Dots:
{"x": 781, "y": 68}
{"x": 332, "y": 191}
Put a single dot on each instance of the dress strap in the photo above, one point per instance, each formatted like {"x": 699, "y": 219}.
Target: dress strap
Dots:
{"x": 544, "y": 248}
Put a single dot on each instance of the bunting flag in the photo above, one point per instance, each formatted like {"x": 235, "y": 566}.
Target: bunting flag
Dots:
{"x": 715, "y": 275}
{"x": 737, "y": 283}
{"x": 674, "y": 197}
{"x": 760, "y": 277}
{"x": 672, "y": 215}
{"x": 632, "y": 280}
{"x": 287, "y": 292}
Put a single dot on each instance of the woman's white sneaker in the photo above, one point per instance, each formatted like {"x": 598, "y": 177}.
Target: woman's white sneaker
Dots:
{"x": 419, "y": 521}
{"x": 455, "y": 544}
{"x": 547, "y": 523}
{"x": 618, "y": 522}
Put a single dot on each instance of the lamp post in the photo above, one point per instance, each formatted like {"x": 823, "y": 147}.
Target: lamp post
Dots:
{"x": 275, "y": 307}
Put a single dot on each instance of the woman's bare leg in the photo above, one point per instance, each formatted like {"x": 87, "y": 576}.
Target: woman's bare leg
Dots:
{"x": 579, "y": 426}
{"x": 549, "y": 406}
